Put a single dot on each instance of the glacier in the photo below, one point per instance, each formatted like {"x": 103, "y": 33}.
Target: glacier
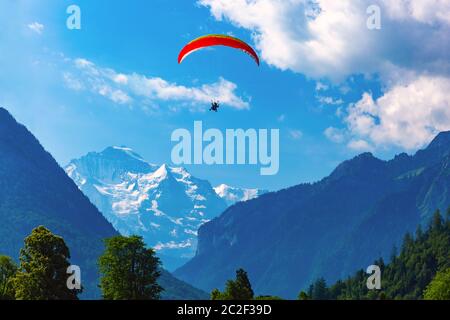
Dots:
{"x": 165, "y": 205}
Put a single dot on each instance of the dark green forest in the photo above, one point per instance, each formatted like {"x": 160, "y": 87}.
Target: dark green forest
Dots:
{"x": 420, "y": 270}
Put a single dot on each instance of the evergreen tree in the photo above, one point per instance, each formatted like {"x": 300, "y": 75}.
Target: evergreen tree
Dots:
{"x": 408, "y": 242}
{"x": 320, "y": 290}
{"x": 8, "y": 270}
{"x": 245, "y": 291}
{"x": 303, "y": 296}
{"x": 216, "y": 295}
{"x": 238, "y": 289}
{"x": 439, "y": 288}
{"x": 410, "y": 272}
{"x": 419, "y": 233}
{"x": 437, "y": 220}
{"x": 129, "y": 270}
{"x": 43, "y": 268}
{"x": 310, "y": 291}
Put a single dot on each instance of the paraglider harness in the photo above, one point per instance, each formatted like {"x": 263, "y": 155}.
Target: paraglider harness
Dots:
{"x": 215, "y": 106}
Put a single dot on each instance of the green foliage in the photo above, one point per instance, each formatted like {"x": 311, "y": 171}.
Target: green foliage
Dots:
{"x": 243, "y": 290}
{"x": 319, "y": 290}
{"x": 303, "y": 296}
{"x": 8, "y": 270}
{"x": 439, "y": 288}
{"x": 216, "y": 295}
{"x": 268, "y": 298}
{"x": 129, "y": 270}
{"x": 43, "y": 268}
{"x": 238, "y": 289}
{"x": 408, "y": 274}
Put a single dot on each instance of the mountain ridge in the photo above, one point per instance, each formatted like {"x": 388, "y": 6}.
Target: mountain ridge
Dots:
{"x": 35, "y": 190}
{"x": 329, "y": 228}
{"x": 233, "y": 195}
{"x": 163, "y": 204}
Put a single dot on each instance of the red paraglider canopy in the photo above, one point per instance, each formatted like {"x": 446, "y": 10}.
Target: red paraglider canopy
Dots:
{"x": 216, "y": 40}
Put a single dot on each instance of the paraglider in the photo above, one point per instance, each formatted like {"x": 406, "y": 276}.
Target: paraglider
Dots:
{"x": 214, "y": 106}
{"x": 217, "y": 40}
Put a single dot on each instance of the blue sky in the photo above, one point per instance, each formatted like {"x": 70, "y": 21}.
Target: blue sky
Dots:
{"x": 333, "y": 87}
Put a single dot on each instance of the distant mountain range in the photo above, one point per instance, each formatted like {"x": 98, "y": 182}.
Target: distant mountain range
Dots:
{"x": 165, "y": 205}
{"x": 288, "y": 239}
{"x": 35, "y": 190}
{"x": 232, "y": 195}
{"x": 285, "y": 239}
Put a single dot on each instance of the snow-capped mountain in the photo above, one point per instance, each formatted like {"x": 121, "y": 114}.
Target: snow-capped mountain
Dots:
{"x": 164, "y": 205}
{"x": 231, "y": 195}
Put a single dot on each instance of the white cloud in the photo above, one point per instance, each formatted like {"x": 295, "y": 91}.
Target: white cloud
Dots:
{"x": 329, "y": 38}
{"x": 71, "y": 82}
{"x": 160, "y": 89}
{"x": 329, "y": 100}
{"x": 407, "y": 115}
{"x": 115, "y": 95}
{"x": 295, "y": 134}
{"x": 321, "y": 86}
{"x": 335, "y": 135}
{"x": 424, "y": 11}
{"x": 36, "y": 27}
{"x": 359, "y": 145}
{"x": 121, "y": 79}
{"x": 126, "y": 88}
{"x": 173, "y": 245}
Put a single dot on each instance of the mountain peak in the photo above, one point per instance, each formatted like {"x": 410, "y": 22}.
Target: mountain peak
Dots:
{"x": 442, "y": 140}
{"x": 165, "y": 205}
{"x": 5, "y": 113}
{"x": 162, "y": 172}
{"x": 222, "y": 187}
{"x": 35, "y": 191}
{"x": 122, "y": 151}
{"x": 9, "y": 123}
{"x": 234, "y": 194}
{"x": 121, "y": 148}
{"x": 361, "y": 165}
{"x": 438, "y": 148}
{"x": 109, "y": 164}
{"x": 365, "y": 155}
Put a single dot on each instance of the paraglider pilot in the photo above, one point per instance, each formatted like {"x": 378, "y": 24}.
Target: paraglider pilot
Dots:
{"x": 214, "y": 106}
